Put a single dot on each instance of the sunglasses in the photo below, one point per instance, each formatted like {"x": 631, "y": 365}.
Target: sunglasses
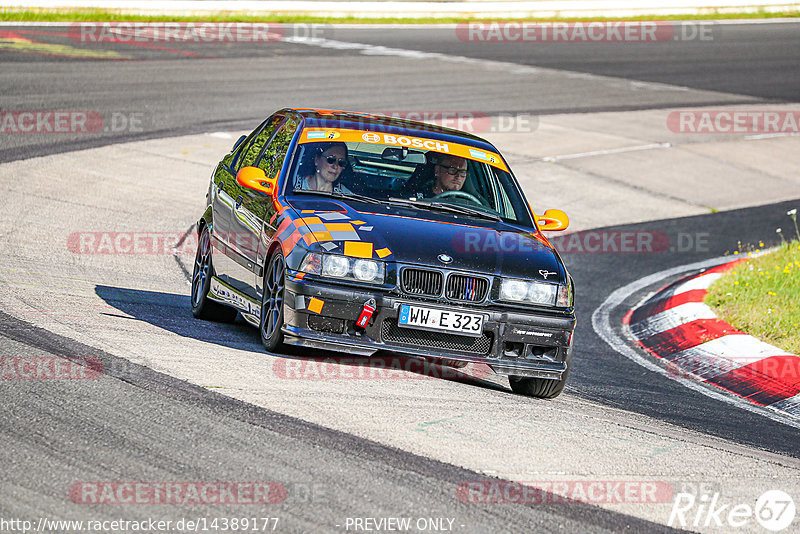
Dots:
{"x": 332, "y": 159}
{"x": 452, "y": 171}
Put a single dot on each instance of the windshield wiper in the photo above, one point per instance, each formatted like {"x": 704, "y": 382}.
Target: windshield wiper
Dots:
{"x": 458, "y": 208}
{"x": 441, "y": 206}
{"x": 353, "y": 196}
{"x": 453, "y": 208}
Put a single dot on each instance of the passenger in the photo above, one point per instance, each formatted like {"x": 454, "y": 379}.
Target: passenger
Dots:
{"x": 322, "y": 171}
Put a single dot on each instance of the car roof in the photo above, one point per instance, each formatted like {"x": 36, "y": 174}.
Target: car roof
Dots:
{"x": 313, "y": 117}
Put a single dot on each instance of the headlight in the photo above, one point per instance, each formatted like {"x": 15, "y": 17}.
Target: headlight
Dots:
{"x": 542, "y": 293}
{"x": 528, "y": 291}
{"x": 366, "y": 270}
{"x": 337, "y": 266}
{"x": 513, "y": 290}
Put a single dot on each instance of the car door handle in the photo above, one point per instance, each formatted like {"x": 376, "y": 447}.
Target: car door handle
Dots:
{"x": 239, "y": 201}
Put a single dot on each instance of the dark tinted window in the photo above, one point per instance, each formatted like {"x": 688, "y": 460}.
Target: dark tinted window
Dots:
{"x": 271, "y": 159}
{"x": 256, "y": 144}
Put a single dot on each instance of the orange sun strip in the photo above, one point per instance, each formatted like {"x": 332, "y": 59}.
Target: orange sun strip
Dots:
{"x": 443, "y": 147}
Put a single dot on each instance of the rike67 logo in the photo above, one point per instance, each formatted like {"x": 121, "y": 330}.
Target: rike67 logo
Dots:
{"x": 774, "y": 510}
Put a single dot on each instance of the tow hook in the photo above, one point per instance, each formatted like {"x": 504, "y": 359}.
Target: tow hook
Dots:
{"x": 366, "y": 314}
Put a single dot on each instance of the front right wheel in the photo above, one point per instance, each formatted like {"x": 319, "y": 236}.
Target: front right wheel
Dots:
{"x": 542, "y": 388}
{"x": 272, "y": 303}
{"x": 202, "y": 306}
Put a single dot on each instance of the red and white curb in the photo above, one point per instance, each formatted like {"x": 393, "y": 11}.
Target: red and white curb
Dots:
{"x": 692, "y": 345}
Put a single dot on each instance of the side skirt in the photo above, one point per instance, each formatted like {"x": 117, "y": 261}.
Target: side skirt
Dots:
{"x": 221, "y": 292}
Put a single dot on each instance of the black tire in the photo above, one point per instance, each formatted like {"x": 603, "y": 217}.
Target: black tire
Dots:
{"x": 272, "y": 303}
{"x": 541, "y": 388}
{"x": 202, "y": 306}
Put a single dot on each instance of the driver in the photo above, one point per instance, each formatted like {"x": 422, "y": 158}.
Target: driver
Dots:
{"x": 449, "y": 174}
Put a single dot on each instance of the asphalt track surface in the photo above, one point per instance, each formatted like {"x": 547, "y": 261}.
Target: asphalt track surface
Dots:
{"x": 139, "y": 424}
{"x": 232, "y": 85}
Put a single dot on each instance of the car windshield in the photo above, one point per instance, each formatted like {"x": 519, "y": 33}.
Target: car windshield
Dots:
{"x": 425, "y": 179}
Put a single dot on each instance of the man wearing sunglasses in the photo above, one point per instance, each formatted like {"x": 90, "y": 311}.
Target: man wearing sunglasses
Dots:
{"x": 449, "y": 174}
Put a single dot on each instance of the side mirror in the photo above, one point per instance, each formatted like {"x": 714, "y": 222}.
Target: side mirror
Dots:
{"x": 256, "y": 179}
{"x": 552, "y": 221}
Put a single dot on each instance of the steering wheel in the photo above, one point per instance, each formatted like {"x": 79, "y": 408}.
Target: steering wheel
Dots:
{"x": 458, "y": 194}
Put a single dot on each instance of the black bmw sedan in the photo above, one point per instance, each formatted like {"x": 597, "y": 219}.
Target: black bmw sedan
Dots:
{"x": 360, "y": 233}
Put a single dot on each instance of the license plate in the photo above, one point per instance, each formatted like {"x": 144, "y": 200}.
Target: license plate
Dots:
{"x": 467, "y": 324}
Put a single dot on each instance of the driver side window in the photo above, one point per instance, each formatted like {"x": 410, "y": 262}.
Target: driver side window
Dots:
{"x": 271, "y": 160}
{"x": 259, "y": 141}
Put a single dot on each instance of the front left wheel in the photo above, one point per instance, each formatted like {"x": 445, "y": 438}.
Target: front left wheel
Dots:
{"x": 272, "y": 303}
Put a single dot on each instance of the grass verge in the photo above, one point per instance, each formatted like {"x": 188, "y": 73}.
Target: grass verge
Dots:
{"x": 110, "y": 15}
{"x": 761, "y": 296}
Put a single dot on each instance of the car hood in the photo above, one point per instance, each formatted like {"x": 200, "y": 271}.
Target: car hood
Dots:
{"x": 422, "y": 237}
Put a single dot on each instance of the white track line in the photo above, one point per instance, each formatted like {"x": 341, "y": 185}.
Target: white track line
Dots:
{"x": 601, "y": 322}
{"x": 607, "y": 151}
{"x": 488, "y": 64}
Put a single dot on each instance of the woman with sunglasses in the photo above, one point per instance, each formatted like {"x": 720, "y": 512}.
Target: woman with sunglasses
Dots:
{"x": 325, "y": 169}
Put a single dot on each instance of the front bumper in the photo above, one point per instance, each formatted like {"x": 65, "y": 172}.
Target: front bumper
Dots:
{"x": 515, "y": 343}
